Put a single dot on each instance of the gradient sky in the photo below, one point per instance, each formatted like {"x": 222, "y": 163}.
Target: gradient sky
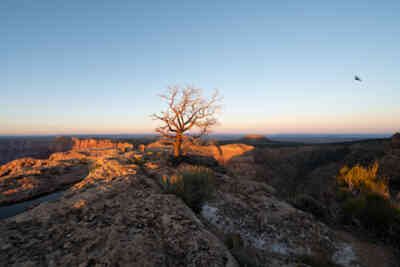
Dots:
{"x": 73, "y": 67}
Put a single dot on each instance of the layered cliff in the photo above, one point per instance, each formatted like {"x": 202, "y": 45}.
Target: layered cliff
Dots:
{"x": 42, "y": 148}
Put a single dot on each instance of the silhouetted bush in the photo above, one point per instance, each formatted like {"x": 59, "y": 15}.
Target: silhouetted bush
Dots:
{"x": 194, "y": 185}
{"x": 372, "y": 210}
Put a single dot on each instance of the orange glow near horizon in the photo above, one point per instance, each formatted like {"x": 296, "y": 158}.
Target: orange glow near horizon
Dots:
{"x": 338, "y": 124}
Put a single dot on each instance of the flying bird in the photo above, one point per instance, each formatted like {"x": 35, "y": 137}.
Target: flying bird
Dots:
{"x": 357, "y": 78}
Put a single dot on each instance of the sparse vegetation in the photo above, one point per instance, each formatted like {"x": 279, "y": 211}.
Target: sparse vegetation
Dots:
{"x": 194, "y": 185}
{"x": 373, "y": 211}
{"x": 363, "y": 180}
{"x": 366, "y": 199}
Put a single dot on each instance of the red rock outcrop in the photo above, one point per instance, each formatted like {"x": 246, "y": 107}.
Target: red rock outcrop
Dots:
{"x": 42, "y": 148}
{"x": 82, "y": 144}
{"x": 27, "y": 178}
{"x": 222, "y": 154}
{"x": 115, "y": 217}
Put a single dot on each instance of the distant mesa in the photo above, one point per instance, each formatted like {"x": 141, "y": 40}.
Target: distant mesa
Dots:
{"x": 396, "y": 140}
{"x": 255, "y": 138}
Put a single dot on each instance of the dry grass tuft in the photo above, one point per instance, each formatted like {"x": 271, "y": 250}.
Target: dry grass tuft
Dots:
{"x": 193, "y": 184}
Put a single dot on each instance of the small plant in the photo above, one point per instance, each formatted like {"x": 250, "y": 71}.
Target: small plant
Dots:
{"x": 363, "y": 180}
{"x": 194, "y": 185}
{"x": 366, "y": 200}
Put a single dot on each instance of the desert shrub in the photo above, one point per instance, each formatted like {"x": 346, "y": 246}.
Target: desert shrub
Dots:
{"x": 372, "y": 210}
{"x": 363, "y": 180}
{"x": 194, "y": 185}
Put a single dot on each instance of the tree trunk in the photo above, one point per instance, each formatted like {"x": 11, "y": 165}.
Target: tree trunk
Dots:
{"x": 177, "y": 145}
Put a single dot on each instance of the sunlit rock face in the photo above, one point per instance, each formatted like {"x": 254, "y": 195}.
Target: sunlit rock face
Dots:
{"x": 82, "y": 144}
{"x": 42, "y": 148}
{"x": 27, "y": 178}
{"x": 222, "y": 154}
{"x": 116, "y": 216}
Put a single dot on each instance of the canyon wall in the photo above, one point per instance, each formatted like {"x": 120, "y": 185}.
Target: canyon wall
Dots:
{"x": 42, "y": 148}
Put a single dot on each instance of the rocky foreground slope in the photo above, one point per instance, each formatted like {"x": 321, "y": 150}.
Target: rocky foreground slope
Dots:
{"x": 118, "y": 215}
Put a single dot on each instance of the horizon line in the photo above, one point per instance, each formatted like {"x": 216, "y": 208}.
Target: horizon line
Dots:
{"x": 223, "y": 133}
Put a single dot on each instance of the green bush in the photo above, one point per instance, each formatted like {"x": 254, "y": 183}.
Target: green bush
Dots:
{"x": 194, "y": 185}
{"x": 373, "y": 210}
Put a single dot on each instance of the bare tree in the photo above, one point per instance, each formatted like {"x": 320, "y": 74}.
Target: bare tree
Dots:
{"x": 187, "y": 111}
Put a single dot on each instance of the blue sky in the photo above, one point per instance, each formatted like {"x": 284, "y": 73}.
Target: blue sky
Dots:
{"x": 282, "y": 66}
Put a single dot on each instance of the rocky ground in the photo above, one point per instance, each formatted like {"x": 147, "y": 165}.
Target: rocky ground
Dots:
{"x": 118, "y": 215}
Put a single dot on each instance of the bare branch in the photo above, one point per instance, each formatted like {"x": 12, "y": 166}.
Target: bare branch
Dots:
{"x": 187, "y": 110}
